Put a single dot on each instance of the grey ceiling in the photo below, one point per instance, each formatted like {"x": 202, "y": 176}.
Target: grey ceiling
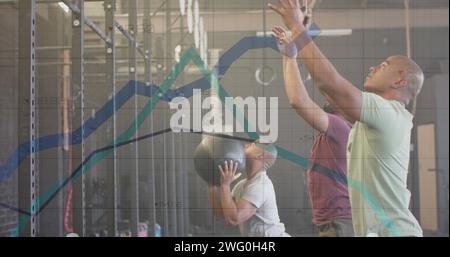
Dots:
{"x": 329, "y": 4}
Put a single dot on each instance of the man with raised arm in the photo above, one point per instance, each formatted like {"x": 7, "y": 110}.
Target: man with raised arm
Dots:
{"x": 379, "y": 142}
{"x": 329, "y": 199}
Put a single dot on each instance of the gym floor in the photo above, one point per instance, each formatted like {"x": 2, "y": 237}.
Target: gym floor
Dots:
{"x": 88, "y": 146}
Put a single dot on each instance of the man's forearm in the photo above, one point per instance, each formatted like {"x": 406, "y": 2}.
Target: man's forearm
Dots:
{"x": 321, "y": 69}
{"x": 228, "y": 205}
{"x": 295, "y": 91}
{"x": 215, "y": 201}
{"x": 342, "y": 94}
{"x": 299, "y": 98}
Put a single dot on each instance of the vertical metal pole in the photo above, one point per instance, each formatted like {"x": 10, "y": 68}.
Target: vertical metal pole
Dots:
{"x": 77, "y": 83}
{"x": 161, "y": 116}
{"x": 180, "y": 171}
{"x": 185, "y": 189}
{"x": 165, "y": 199}
{"x": 173, "y": 203}
{"x": 169, "y": 157}
{"x": 148, "y": 79}
{"x": 110, "y": 8}
{"x": 183, "y": 162}
{"x": 27, "y": 112}
{"x": 134, "y": 176}
{"x": 408, "y": 46}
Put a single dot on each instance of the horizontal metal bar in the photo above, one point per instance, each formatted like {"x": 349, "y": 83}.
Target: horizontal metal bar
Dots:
{"x": 102, "y": 34}
{"x": 88, "y": 22}
{"x": 125, "y": 61}
{"x": 51, "y": 48}
{"x": 130, "y": 38}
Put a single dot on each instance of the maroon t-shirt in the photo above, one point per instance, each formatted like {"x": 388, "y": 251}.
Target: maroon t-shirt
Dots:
{"x": 329, "y": 197}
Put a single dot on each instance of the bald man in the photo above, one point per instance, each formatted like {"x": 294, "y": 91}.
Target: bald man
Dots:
{"x": 379, "y": 142}
{"x": 252, "y": 203}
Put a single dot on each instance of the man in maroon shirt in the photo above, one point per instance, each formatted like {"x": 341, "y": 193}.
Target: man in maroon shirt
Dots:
{"x": 328, "y": 195}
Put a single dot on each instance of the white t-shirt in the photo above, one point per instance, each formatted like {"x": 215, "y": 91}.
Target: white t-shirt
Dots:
{"x": 259, "y": 191}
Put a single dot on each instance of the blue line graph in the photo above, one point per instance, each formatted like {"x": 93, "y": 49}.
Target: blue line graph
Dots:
{"x": 127, "y": 92}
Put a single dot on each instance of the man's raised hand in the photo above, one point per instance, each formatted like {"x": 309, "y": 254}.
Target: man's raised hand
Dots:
{"x": 292, "y": 15}
{"x": 285, "y": 43}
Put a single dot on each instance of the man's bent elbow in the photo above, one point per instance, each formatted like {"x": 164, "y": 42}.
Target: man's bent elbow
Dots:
{"x": 325, "y": 84}
{"x": 299, "y": 102}
{"x": 294, "y": 103}
{"x": 233, "y": 222}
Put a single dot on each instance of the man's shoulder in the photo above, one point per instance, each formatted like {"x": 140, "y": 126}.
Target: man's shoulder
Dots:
{"x": 338, "y": 121}
{"x": 373, "y": 96}
{"x": 239, "y": 184}
{"x": 260, "y": 179}
{"x": 372, "y": 100}
{"x": 338, "y": 129}
{"x": 376, "y": 108}
{"x": 265, "y": 180}
{"x": 369, "y": 97}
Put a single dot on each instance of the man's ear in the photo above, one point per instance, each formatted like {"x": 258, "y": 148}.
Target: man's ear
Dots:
{"x": 401, "y": 83}
{"x": 260, "y": 157}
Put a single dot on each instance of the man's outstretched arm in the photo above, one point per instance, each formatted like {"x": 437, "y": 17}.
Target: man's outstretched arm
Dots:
{"x": 344, "y": 95}
{"x": 295, "y": 89}
{"x": 299, "y": 98}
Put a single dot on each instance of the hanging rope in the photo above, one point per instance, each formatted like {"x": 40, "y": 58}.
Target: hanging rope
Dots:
{"x": 68, "y": 212}
{"x": 408, "y": 45}
{"x": 66, "y": 147}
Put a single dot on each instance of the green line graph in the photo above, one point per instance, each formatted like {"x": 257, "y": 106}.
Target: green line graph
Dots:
{"x": 190, "y": 55}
